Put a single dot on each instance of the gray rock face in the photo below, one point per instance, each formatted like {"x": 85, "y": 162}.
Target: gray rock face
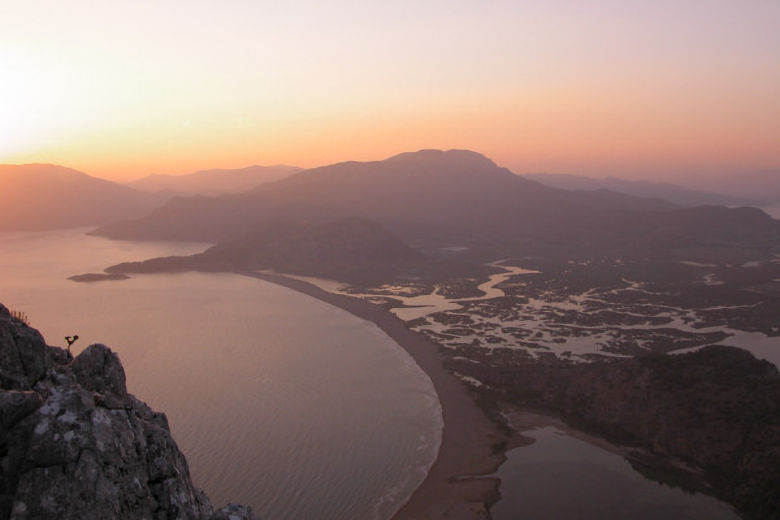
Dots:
{"x": 75, "y": 445}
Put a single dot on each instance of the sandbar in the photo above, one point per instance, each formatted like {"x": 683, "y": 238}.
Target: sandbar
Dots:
{"x": 472, "y": 446}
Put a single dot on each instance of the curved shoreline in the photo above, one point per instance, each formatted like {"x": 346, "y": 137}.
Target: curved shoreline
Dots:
{"x": 456, "y": 486}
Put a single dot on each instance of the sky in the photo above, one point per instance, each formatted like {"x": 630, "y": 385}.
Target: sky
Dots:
{"x": 639, "y": 89}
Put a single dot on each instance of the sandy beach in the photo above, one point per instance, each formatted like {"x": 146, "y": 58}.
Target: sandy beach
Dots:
{"x": 456, "y": 486}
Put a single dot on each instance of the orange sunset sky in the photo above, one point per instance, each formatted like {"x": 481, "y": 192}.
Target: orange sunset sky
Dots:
{"x": 655, "y": 89}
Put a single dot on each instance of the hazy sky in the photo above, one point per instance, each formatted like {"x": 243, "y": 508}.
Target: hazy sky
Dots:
{"x": 121, "y": 89}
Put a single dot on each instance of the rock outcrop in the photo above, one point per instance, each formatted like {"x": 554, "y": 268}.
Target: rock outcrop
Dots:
{"x": 74, "y": 444}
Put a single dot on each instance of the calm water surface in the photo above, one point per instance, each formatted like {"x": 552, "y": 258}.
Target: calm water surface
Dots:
{"x": 592, "y": 484}
{"x": 278, "y": 400}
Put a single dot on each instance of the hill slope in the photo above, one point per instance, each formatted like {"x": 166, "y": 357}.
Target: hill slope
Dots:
{"x": 347, "y": 249}
{"x": 45, "y": 196}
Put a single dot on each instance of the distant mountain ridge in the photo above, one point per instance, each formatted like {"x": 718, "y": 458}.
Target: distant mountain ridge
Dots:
{"x": 214, "y": 181}
{"x": 460, "y": 198}
{"x": 434, "y": 215}
{"x": 457, "y": 194}
{"x": 36, "y": 197}
{"x": 762, "y": 185}
{"x": 640, "y": 188}
{"x": 450, "y": 198}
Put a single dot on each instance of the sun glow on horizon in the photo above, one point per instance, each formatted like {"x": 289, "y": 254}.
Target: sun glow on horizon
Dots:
{"x": 124, "y": 89}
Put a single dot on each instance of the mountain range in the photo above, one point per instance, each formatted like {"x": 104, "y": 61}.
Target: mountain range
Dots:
{"x": 36, "y": 197}
{"x": 431, "y": 194}
{"x": 760, "y": 185}
{"x": 433, "y": 200}
{"x": 215, "y": 181}
{"x": 456, "y": 198}
{"x": 659, "y": 190}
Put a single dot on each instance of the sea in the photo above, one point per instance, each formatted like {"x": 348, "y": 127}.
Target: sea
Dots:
{"x": 278, "y": 400}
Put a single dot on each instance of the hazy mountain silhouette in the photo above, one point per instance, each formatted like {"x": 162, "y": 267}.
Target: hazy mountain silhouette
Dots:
{"x": 215, "y": 181}
{"x": 345, "y": 249}
{"x": 660, "y": 190}
{"x": 47, "y": 196}
{"x": 431, "y": 194}
{"x": 706, "y": 226}
{"x": 760, "y": 185}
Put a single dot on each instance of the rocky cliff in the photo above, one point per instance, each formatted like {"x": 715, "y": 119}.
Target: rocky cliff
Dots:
{"x": 74, "y": 444}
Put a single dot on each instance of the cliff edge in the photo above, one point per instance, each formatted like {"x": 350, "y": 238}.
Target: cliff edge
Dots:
{"x": 74, "y": 444}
